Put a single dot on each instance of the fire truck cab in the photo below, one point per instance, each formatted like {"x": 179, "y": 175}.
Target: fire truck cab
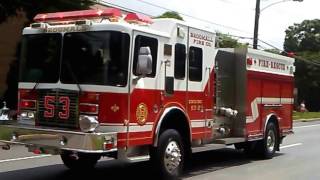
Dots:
{"x": 97, "y": 83}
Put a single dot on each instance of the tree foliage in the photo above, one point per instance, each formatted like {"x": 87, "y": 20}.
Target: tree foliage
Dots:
{"x": 32, "y": 7}
{"x": 171, "y": 14}
{"x": 304, "y": 40}
{"x": 274, "y": 51}
{"x": 303, "y": 37}
{"x": 226, "y": 41}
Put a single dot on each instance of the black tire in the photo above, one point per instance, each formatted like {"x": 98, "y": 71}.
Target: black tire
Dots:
{"x": 240, "y": 146}
{"x": 249, "y": 148}
{"x": 268, "y": 146}
{"x": 168, "y": 157}
{"x": 79, "y": 161}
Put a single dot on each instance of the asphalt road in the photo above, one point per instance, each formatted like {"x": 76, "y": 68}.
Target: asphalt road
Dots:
{"x": 299, "y": 159}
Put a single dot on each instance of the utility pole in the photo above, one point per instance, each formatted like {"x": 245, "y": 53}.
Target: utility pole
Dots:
{"x": 256, "y": 25}
{"x": 257, "y": 16}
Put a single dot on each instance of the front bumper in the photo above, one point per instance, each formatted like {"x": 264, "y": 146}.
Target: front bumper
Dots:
{"x": 58, "y": 139}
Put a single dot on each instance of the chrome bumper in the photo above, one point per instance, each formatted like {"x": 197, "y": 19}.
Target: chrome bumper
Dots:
{"x": 58, "y": 139}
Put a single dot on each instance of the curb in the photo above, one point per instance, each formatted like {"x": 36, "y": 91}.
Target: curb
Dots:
{"x": 306, "y": 120}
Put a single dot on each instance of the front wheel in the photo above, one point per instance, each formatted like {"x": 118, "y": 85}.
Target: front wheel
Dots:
{"x": 168, "y": 157}
{"x": 78, "y": 161}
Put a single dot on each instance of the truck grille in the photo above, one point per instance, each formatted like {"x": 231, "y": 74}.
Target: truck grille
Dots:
{"x": 70, "y": 109}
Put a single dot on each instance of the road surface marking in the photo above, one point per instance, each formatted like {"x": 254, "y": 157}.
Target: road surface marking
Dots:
{"x": 25, "y": 158}
{"x": 291, "y": 145}
{"x": 314, "y": 125}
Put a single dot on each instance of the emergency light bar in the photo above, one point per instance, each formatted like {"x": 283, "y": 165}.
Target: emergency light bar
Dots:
{"x": 138, "y": 18}
{"x": 111, "y": 13}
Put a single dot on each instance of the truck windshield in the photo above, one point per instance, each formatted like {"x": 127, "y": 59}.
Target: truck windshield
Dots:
{"x": 40, "y": 58}
{"x": 99, "y": 58}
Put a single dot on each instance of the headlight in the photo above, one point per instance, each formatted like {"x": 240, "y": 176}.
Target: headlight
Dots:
{"x": 88, "y": 123}
{"x": 31, "y": 115}
{"x": 27, "y": 117}
{"x": 24, "y": 115}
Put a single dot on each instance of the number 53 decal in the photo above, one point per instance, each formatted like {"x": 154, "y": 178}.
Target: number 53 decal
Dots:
{"x": 49, "y": 105}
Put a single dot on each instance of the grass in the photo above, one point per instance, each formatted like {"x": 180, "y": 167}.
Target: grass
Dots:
{"x": 305, "y": 115}
{"x": 5, "y": 133}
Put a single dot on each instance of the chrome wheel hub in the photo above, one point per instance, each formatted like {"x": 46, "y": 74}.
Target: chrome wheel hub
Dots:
{"x": 271, "y": 141}
{"x": 172, "y": 156}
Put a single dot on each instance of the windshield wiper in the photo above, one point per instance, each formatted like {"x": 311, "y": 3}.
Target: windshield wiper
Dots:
{"x": 73, "y": 76}
{"x": 35, "y": 86}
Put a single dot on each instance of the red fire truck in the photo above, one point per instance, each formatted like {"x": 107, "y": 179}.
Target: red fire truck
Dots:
{"x": 99, "y": 83}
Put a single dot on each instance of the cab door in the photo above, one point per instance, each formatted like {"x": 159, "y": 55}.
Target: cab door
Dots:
{"x": 144, "y": 91}
{"x": 180, "y": 66}
{"x": 195, "y": 85}
{"x": 200, "y": 86}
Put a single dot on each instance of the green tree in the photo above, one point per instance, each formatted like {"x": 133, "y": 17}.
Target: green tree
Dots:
{"x": 171, "y": 14}
{"x": 303, "y": 37}
{"x": 32, "y": 7}
{"x": 226, "y": 41}
{"x": 274, "y": 51}
{"x": 304, "y": 40}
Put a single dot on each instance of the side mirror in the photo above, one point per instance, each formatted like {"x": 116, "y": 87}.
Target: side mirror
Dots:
{"x": 144, "y": 64}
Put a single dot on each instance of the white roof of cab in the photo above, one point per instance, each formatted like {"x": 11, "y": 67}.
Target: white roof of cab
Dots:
{"x": 161, "y": 27}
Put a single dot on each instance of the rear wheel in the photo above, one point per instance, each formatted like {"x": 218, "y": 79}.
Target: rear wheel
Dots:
{"x": 168, "y": 157}
{"x": 76, "y": 160}
{"x": 267, "y": 147}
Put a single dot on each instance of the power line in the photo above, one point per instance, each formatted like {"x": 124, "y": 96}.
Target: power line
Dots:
{"x": 183, "y": 14}
{"x": 313, "y": 62}
{"x": 193, "y": 17}
{"x": 200, "y": 19}
{"x": 306, "y": 60}
{"x": 240, "y": 37}
{"x": 294, "y": 56}
{"x": 269, "y": 44}
{"x": 103, "y": 2}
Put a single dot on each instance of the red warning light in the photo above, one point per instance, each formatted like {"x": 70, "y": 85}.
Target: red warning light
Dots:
{"x": 136, "y": 18}
{"x": 27, "y": 104}
{"x": 290, "y": 54}
{"x": 73, "y": 15}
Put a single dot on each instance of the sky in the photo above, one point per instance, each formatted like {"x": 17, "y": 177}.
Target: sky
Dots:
{"x": 235, "y": 17}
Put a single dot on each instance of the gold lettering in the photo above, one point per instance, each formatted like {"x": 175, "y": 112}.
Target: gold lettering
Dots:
{"x": 67, "y": 29}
